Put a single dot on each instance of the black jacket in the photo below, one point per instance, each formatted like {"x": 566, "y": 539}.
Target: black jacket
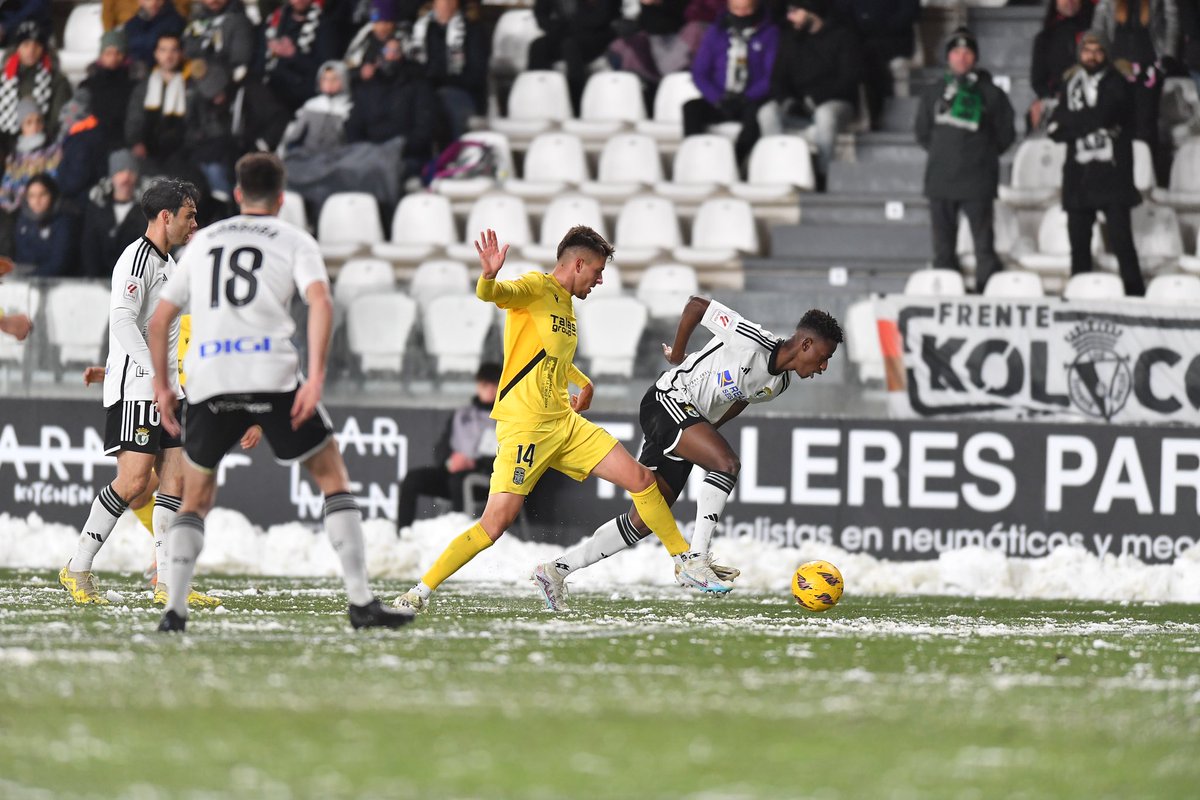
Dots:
{"x": 386, "y": 108}
{"x": 1056, "y": 50}
{"x": 964, "y": 164}
{"x": 103, "y": 240}
{"x": 818, "y": 66}
{"x": 1103, "y": 134}
{"x": 110, "y": 90}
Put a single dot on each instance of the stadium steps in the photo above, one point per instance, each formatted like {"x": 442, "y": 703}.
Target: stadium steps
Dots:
{"x": 788, "y": 276}
{"x": 891, "y": 146}
{"x": 884, "y": 178}
{"x": 843, "y": 209}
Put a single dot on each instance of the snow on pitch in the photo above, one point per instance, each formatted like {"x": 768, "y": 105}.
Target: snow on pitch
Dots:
{"x": 235, "y": 546}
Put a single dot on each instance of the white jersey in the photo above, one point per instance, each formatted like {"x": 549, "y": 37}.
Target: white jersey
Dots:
{"x": 732, "y": 366}
{"x": 138, "y": 281}
{"x": 238, "y": 278}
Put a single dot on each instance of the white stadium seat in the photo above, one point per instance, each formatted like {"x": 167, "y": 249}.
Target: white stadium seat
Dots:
{"x": 862, "y": 341}
{"x": 561, "y": 215}
{"x": 935, "y": 283}
{"x": 611, "y": 102}
{"x": 473, "y": 188}
{"x": 360, "y": 276}
{"x": 455, "y": 328}
{"x": 665, "y": 288}
{"x": 17, "y": 297}
{"x": 1184, "y": 191}
{"x": 77, "y": 321}
{"x": 723, "y": 230}
{"x": 673, "y": 91}
{"x": 1143, "y": 167}
{"x": 629, "y": 164}
{"x": 434, "y": 279}
{"x": 779, "y": 166}
{"x": 703, "y": 164}
{"x": 1174, "y": 290}
{"x": 81, "y": 40}
{"x": 1094, "y": 286}
{"x": 539, "y": 100}
{"x": 378, "y": 327}
{"x": 610, "y": 329}
{"x": 1036, "y": 173}
{"x": 349, "y": 222}
{"x": 293, "y": 211}
{"x": 553, "y": 162}
{"x": 504, "y": 214}
{"x": 1054, "y": 246}
{"x": 1014, "y": 283}
{"x": 647, "y": 229}
{"x": 422, "y": 227}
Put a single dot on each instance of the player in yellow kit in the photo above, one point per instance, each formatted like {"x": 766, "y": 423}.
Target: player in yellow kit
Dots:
{"x": 538, "y": 423}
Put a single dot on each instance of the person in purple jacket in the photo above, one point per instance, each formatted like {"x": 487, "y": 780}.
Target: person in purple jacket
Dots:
{"x": 732, "y": 70}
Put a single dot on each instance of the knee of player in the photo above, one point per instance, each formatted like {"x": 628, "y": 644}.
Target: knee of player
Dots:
{"x": 642, "y": 476}
{"x": 729, "y": 463}
{"x": 130, "y": 486}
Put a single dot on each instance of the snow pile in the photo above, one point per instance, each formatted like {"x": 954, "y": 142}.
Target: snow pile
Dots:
{"x": 235, "y": 546}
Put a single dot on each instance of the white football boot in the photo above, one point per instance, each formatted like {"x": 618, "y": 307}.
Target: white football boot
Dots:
{"x": 410, "y": 601}
{"x": 695, "y": 570}
{"x": 551, "y": 585}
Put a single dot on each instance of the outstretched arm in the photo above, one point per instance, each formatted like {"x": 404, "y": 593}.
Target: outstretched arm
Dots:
{"x": 693, "y": 312}
{"x": 505, "y": 294}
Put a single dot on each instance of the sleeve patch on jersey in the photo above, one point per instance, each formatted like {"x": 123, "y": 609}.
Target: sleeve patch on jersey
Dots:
{"x": 723, "y": 319}
{"x": 131, "y": 290}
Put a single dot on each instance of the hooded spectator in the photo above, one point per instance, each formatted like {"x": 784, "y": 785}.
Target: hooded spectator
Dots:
{"x": 110, "y": 84}
{"x": 29, "y": 71}
{"x": 45, "y": 235}
{"x": 111, "y": 218}
{"x": 320, "y": 123}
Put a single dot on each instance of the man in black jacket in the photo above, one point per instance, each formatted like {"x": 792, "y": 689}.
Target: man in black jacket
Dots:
{"x": 1094, "y": 117}
{"x": 965, "y": 122}
{"x": 815, "y": 79}
{"x": 111, "y": 218}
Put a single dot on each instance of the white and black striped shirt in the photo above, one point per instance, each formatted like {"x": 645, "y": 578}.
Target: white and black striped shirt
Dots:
{"x": 732, "y": 366}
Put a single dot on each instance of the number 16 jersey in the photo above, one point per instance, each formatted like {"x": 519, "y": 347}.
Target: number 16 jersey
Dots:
{"x": 238, "y": 278}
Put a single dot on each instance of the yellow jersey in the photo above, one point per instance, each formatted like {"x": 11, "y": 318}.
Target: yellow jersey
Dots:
{"x": 185, "y": 338}
{"x": 539, "y": 347}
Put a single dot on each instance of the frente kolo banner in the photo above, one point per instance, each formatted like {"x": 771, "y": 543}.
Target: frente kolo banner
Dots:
{"x": 1126, "y": 362}
{"x": 896, "y": 489}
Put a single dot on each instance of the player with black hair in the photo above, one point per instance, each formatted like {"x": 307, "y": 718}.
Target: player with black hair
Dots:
{"x": 133, "y": 430}
{"x": 680, "y": 414}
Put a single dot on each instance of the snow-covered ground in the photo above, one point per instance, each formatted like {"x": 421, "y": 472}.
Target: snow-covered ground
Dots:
{"x": 235, "y": 546}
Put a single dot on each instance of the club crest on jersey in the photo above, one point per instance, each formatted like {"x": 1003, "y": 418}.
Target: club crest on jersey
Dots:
{"x": 141, "y": 437}
{"x": 131, "y": 290}
{"x": 518, "y": 476}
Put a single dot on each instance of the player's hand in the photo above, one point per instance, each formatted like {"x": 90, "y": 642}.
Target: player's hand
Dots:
{"x": 583, "y": 401}
{"x": 16, "y": 325}
{"x": 306, "y": 402}
{"x": 251, "y": 437}
{"x": 491, "y": 255}
{"x": 93, "y": 375}
{"x": 167, "y": 402}
{"x": 669, "y": 354}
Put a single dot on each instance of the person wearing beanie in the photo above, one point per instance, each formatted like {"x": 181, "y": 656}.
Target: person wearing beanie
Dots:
{"x": 815, "y": 79}
{"x": 28, "y": 70}
{"x": 153, "y": 18}
{"x": 1094, "y": 119}
{"x": 44, "y": 234}
{"x": 732, "y": 70}
{"x": 111, "y": 219}
{"x": 15, "y": 12}
{"x": 109, "y": 83}
{"x": 378, "y": 47}
{"x": 319, "y": 124}
{"x": 965, "y": 123}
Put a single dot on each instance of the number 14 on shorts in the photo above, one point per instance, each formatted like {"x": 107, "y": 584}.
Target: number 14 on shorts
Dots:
{"x": 524, "y": 456}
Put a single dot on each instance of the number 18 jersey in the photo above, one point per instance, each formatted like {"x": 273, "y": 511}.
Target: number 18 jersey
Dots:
{"x": 238, "y": 278}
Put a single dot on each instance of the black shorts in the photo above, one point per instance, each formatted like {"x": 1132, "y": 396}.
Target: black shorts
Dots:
{"x": 663, "y": 421}
{"x": 135, "y": 425}
{"x": 213, "y": 426}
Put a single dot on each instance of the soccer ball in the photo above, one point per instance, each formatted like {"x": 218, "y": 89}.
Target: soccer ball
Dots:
{"x": 817, "y": 585}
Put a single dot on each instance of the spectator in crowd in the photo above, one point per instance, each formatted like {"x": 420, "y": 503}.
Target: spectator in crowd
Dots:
{"x": 885, "y": 29}
{"x": 45, "y": 235}
{"x": 1143, "y": 33}
{"x": 575, "y": 31}
{"x": 380, "y": 43}
{"x": 115, "y": 13}
{"x": 1055, "y": 50}
{"x": 394, "y": 101}
{"x": 732, "y": 70}
{"x": 298, "y": 40}
{"x": 965, "y": 123}
{"x": 154, "y": 19}
{"x": 34, "y": 153}
{"x": 1094, "y": 118}
{"x": 156, "y": 123}
{"x": 83, "y": 152}
{"x": 467, "y": 447}
{"x": 15, "y": 12}
{"x": 109, "y": 84}
{"x": 30, "y": 72}
{"x": 111, "y": 219}
{"x": 815, "y": 78}
{"x": 319, "y": 124}
{"x": 220, "y": 33}
{"x": 452, "y": 47}
{"x": 661, "y": 42}
{"x": 209, "y": 130}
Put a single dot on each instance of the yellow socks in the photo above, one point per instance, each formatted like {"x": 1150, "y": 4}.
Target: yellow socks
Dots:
{"x": 465, "y": 547}
{"x": 655, "y": 512}
{"x": 145, "y": 515}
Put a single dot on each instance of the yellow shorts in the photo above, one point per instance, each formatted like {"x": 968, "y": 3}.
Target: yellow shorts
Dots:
{"x": 524, "y": 451}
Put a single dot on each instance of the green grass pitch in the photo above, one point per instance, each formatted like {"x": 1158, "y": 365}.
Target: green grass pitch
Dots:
{"x": 652, "y": 693}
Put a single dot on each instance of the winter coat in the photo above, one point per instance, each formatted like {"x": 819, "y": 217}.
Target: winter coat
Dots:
{"x": 226, "y": 38}
{"x": 292, "y": 79}
{"x": 1164, "y": 24}
{"x": 84, "y": 162}
{"x": 162, "y": 135}
{"x": 60, "y": 90}
{"x": 964, "y": 163}
{"x": 817, "y": 67}
{"x": 48, "y": 244}
{"x": 110, "y": 90}
{"x": 141, "y": 34}
{"x": 1056, "y": 50}
{"x": 103, "y": 239}
{"x": 19, "y": 168}
{"x": 474, "y": 75}
{"x": 709, "y": 64}
{"x": 319, "y": 124}
{"x": 384, "y": 109}
{"x": 1098, "y": 172}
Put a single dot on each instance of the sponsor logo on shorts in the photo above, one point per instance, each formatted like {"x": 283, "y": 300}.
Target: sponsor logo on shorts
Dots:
{"x": 141, "y": 437}
{"x": 518, "y": 476}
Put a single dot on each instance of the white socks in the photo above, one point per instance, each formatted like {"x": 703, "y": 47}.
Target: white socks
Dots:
{"x": 165, "y": 508}
{"x": 611, "y": 537}
{"x": 107, "y": 508}
{"x": 343, "y": 523}
{"x": 187, "y": 540}
{"x": 710, "y": 502}
{"x": 424, "y": 591}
